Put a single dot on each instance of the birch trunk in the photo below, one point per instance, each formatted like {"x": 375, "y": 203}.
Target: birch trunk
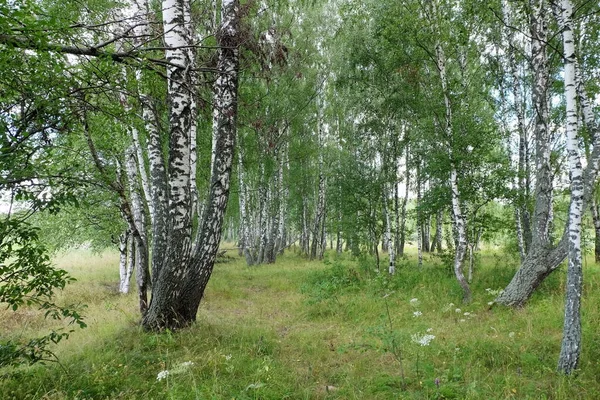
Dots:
{"x": 245, "y": 240}
{"x": 571, "y": 342}
{"x": 522, "y": 217}
{"x": 596, "y": 220}
{"x": 123, "y": 277}
{"x": 130, "y": 262}
{"x": 392, "y": 247}
{"x": 142, "y": 272}
{"x": 226, "y": 86}
{"x": 458, "y": 218}
{"x": 167, "y": 306}
{"x": 419, "y": 217}
{"x": 284, "y": 194}
{"x": 526, "y": 279}
{"x": 319, "y": 222}
{"x": 404, "y": 203}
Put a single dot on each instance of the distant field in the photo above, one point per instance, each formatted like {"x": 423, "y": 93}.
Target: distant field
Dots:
{"x": 314, "y": 330}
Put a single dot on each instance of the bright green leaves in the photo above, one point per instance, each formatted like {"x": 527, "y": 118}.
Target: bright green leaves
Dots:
{"x": 27, "y": 279}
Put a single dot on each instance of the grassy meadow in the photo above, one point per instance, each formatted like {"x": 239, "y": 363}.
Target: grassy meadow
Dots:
{"x": 298, "y": 329}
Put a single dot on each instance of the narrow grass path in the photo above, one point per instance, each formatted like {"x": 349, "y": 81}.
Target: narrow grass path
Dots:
{"x": 313, "y": 330}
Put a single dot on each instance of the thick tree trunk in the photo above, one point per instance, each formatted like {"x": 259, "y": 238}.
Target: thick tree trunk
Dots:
{"x": 183, "y": 278}
{"x": 571, "y": 343}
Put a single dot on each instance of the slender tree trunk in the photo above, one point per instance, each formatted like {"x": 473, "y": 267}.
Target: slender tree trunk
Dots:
{"x": 319, "y": 222}
{"x": 427, "y": 233}
{"x": 305, "y": 238}
{"x": 571, "y": 343}
{"x": 123, "y": 250}
{"x": 283, "y": 195}
{"x": 419, "y": 217}
{"x": 596, "y": 220}
{"x": 458, "y": 218}
{"x": 522, "y": 217}
{"x": 391, "y": 248}
{"x": 142, "y": 271}
{"x": 404, "y": 203}
{"x": 263, "y": 218}
{"x": 245, "y": 241}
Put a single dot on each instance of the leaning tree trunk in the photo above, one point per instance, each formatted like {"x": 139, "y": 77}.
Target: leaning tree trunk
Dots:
{"x": 542, "y": 259}
{"x": 571, "y": 343}
{"x": 226, "y": 88}
{"x": 518, "y": 290}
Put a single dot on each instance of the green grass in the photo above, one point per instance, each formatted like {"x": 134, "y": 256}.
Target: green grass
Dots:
{"x": 313, "y": 330}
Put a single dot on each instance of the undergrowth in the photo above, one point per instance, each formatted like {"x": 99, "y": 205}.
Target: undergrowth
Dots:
{"x": 316, "y": 330}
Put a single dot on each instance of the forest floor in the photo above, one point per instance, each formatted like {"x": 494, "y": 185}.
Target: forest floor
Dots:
{"x": 298, "y": 329}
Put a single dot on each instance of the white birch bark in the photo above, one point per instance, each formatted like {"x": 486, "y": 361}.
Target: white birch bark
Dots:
{"x": 419, "y": 218}
{"x": 571, "y": 342}
{"x": 168, "y": 307}
{"x": 388, "y": 223}
{"x": 123, "y": 278}
{"x": 284, "y": 190}
{"x": 402, "y": 240}
{"x": 226, "y": 85}
{"x": 458, "y": 218}
{"x": 141, "y": 239}
{"x": 245, "y": 241}
{"x": 319, "y": 222}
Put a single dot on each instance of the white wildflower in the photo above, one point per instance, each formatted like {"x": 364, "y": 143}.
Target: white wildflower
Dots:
{"x": 227, "y": 357}
{"x": 458, "y": 310}
{"x": 511, "y": 335}
{"x": 490, "y": 303}
{"x": 414, "y": 302}
{"x": 187, "y": 364}
{"x": 467, "y": 314}
{"x": 461, "y": 320}
{"x": 429, "y": 330}
{"x": 422, "y": 340}
{"x": 162, "y": 375}
{"x": 417, "y": 314}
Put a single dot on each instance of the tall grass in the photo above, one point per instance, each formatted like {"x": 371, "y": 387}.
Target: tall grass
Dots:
{"x": 314, "y": 330}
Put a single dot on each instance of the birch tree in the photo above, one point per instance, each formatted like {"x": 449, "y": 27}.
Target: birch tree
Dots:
{"x": 571, "y": 343}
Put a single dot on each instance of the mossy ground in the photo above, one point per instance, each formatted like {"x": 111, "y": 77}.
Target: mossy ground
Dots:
{"x": 314, "y": 330}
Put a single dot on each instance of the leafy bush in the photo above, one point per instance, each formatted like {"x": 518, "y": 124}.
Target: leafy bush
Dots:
{"x": 328, "y": 284}
{"x": 28, "y": 279}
